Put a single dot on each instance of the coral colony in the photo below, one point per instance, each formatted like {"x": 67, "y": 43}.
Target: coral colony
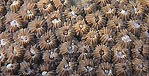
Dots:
{"x": 74, "y": 37}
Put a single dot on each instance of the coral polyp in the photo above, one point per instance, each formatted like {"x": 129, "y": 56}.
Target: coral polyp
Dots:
{"x": 47, "y": 41}
{"x": 13, "y": 22}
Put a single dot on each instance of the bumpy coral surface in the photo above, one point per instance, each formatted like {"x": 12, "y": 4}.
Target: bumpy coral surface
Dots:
{"x": 74, "y": 37}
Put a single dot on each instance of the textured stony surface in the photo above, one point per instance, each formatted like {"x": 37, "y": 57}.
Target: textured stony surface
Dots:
{"x": 74, "y": 38}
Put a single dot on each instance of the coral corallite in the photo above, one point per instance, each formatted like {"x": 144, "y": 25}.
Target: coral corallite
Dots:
{"x": 65, "y": 33}
{"x": 37, "y": 26}
{"x": 80, "y": 28}
{"x": 47, "y": 41}
{"x": 13, "y": 22}
{"x": 24, "y": 37}
{"x": 91, "y": 38}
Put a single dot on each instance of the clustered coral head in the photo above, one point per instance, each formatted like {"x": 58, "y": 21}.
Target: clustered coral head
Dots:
{"x": 74, "y": 37}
